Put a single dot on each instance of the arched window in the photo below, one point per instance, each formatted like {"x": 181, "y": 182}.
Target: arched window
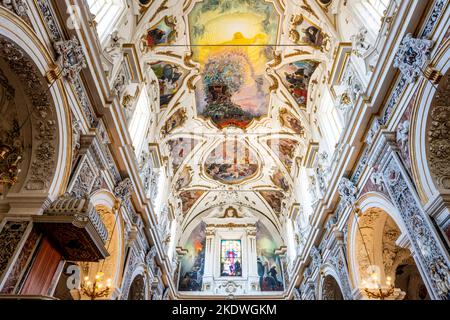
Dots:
{"x": 107, "y": 13}
{"x": 140, "y": 122}
{"x": 371, "y": 12}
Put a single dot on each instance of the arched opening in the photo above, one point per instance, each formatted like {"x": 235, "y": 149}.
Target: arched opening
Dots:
{"x": 110, "y": 268}
{"x": 137, "y": 288}
{"x": 331, "y": 289}
{"x": 379, "y": 259}
{"x": 33, "y": 156}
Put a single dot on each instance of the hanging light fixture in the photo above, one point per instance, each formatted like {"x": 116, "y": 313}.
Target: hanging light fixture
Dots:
{"x": 372, "y": 284}
{"x": 97, "y": 288}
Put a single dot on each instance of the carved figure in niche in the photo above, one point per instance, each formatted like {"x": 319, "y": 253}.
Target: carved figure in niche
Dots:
{"x": 231, "y": 212}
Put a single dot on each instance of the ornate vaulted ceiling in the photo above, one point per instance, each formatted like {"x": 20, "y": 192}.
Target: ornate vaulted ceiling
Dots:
{"x": 239, "y": 81}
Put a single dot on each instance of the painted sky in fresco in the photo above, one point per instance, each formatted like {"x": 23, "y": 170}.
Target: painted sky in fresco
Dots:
{"x": 233, "y": 89}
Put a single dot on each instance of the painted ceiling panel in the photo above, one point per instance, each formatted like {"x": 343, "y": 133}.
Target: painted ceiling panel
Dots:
{"x": 231, "y": 162}
{"x": 230, "y": 41}
{"x": 241, "y": 77}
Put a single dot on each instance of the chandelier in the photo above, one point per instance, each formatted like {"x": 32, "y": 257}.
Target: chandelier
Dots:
{"x": 372, "y": 286}
{"x": 96, "y": 288}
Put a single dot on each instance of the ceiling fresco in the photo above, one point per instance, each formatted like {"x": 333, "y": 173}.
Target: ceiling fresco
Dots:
{"x": 296, "y": 77}
{"x": 230, "y": 39}
{"x": 274, "y": 199}
{"x": 179, "y": 149}
{"x": 280, "y": 180}
{"x": 237, "y": 83}
{"x": 231, "y": 162}
{"x": 189, "y": 198}
{"x": 288, "y": 120}
{"x": 162, "y": 33}
{"x": 170, "y": 78}
{"x": 284, "y": 149}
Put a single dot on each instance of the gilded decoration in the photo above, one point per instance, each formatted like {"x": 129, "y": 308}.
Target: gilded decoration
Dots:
{"x": 439, "y": 135}
{"x": 163, "y": 33}
{"x": 304, "y": 32}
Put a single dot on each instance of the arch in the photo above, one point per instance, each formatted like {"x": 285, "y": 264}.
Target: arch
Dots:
{"x": 330, "y": 287}
{"x": 49, "y": 168}
{"x": 137, "y": 288}
{"x": 420, "y": 121}
{"x": 367, "y": 202}
{"x": 373, "y": 243}
{"x": 108, "y": 207}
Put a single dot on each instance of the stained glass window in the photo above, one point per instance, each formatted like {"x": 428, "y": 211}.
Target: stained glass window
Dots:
{"x": 230, "y": 258}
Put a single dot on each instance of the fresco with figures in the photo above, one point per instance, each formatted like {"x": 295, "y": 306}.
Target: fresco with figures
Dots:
{"x": 269, "y": 268}
{"x": 192, "y": 265}
{"x": 179, "y": 149}
{"x": 189, "y": 198}
{"x": 280, "y": 181}
{"x": 287, "y": 119}
{"x": 170, "y": 78}
{"x": 296, "y": 77}
{"x": 163, "y": 33}
{"x": 305, "y": 32}
{"x": 284, "y": 149}
{"x": 184, "y": 179}
{"x": 231, "y": 162}
{"x": 274, "y": 199}
{"x": 231, "y": 39}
